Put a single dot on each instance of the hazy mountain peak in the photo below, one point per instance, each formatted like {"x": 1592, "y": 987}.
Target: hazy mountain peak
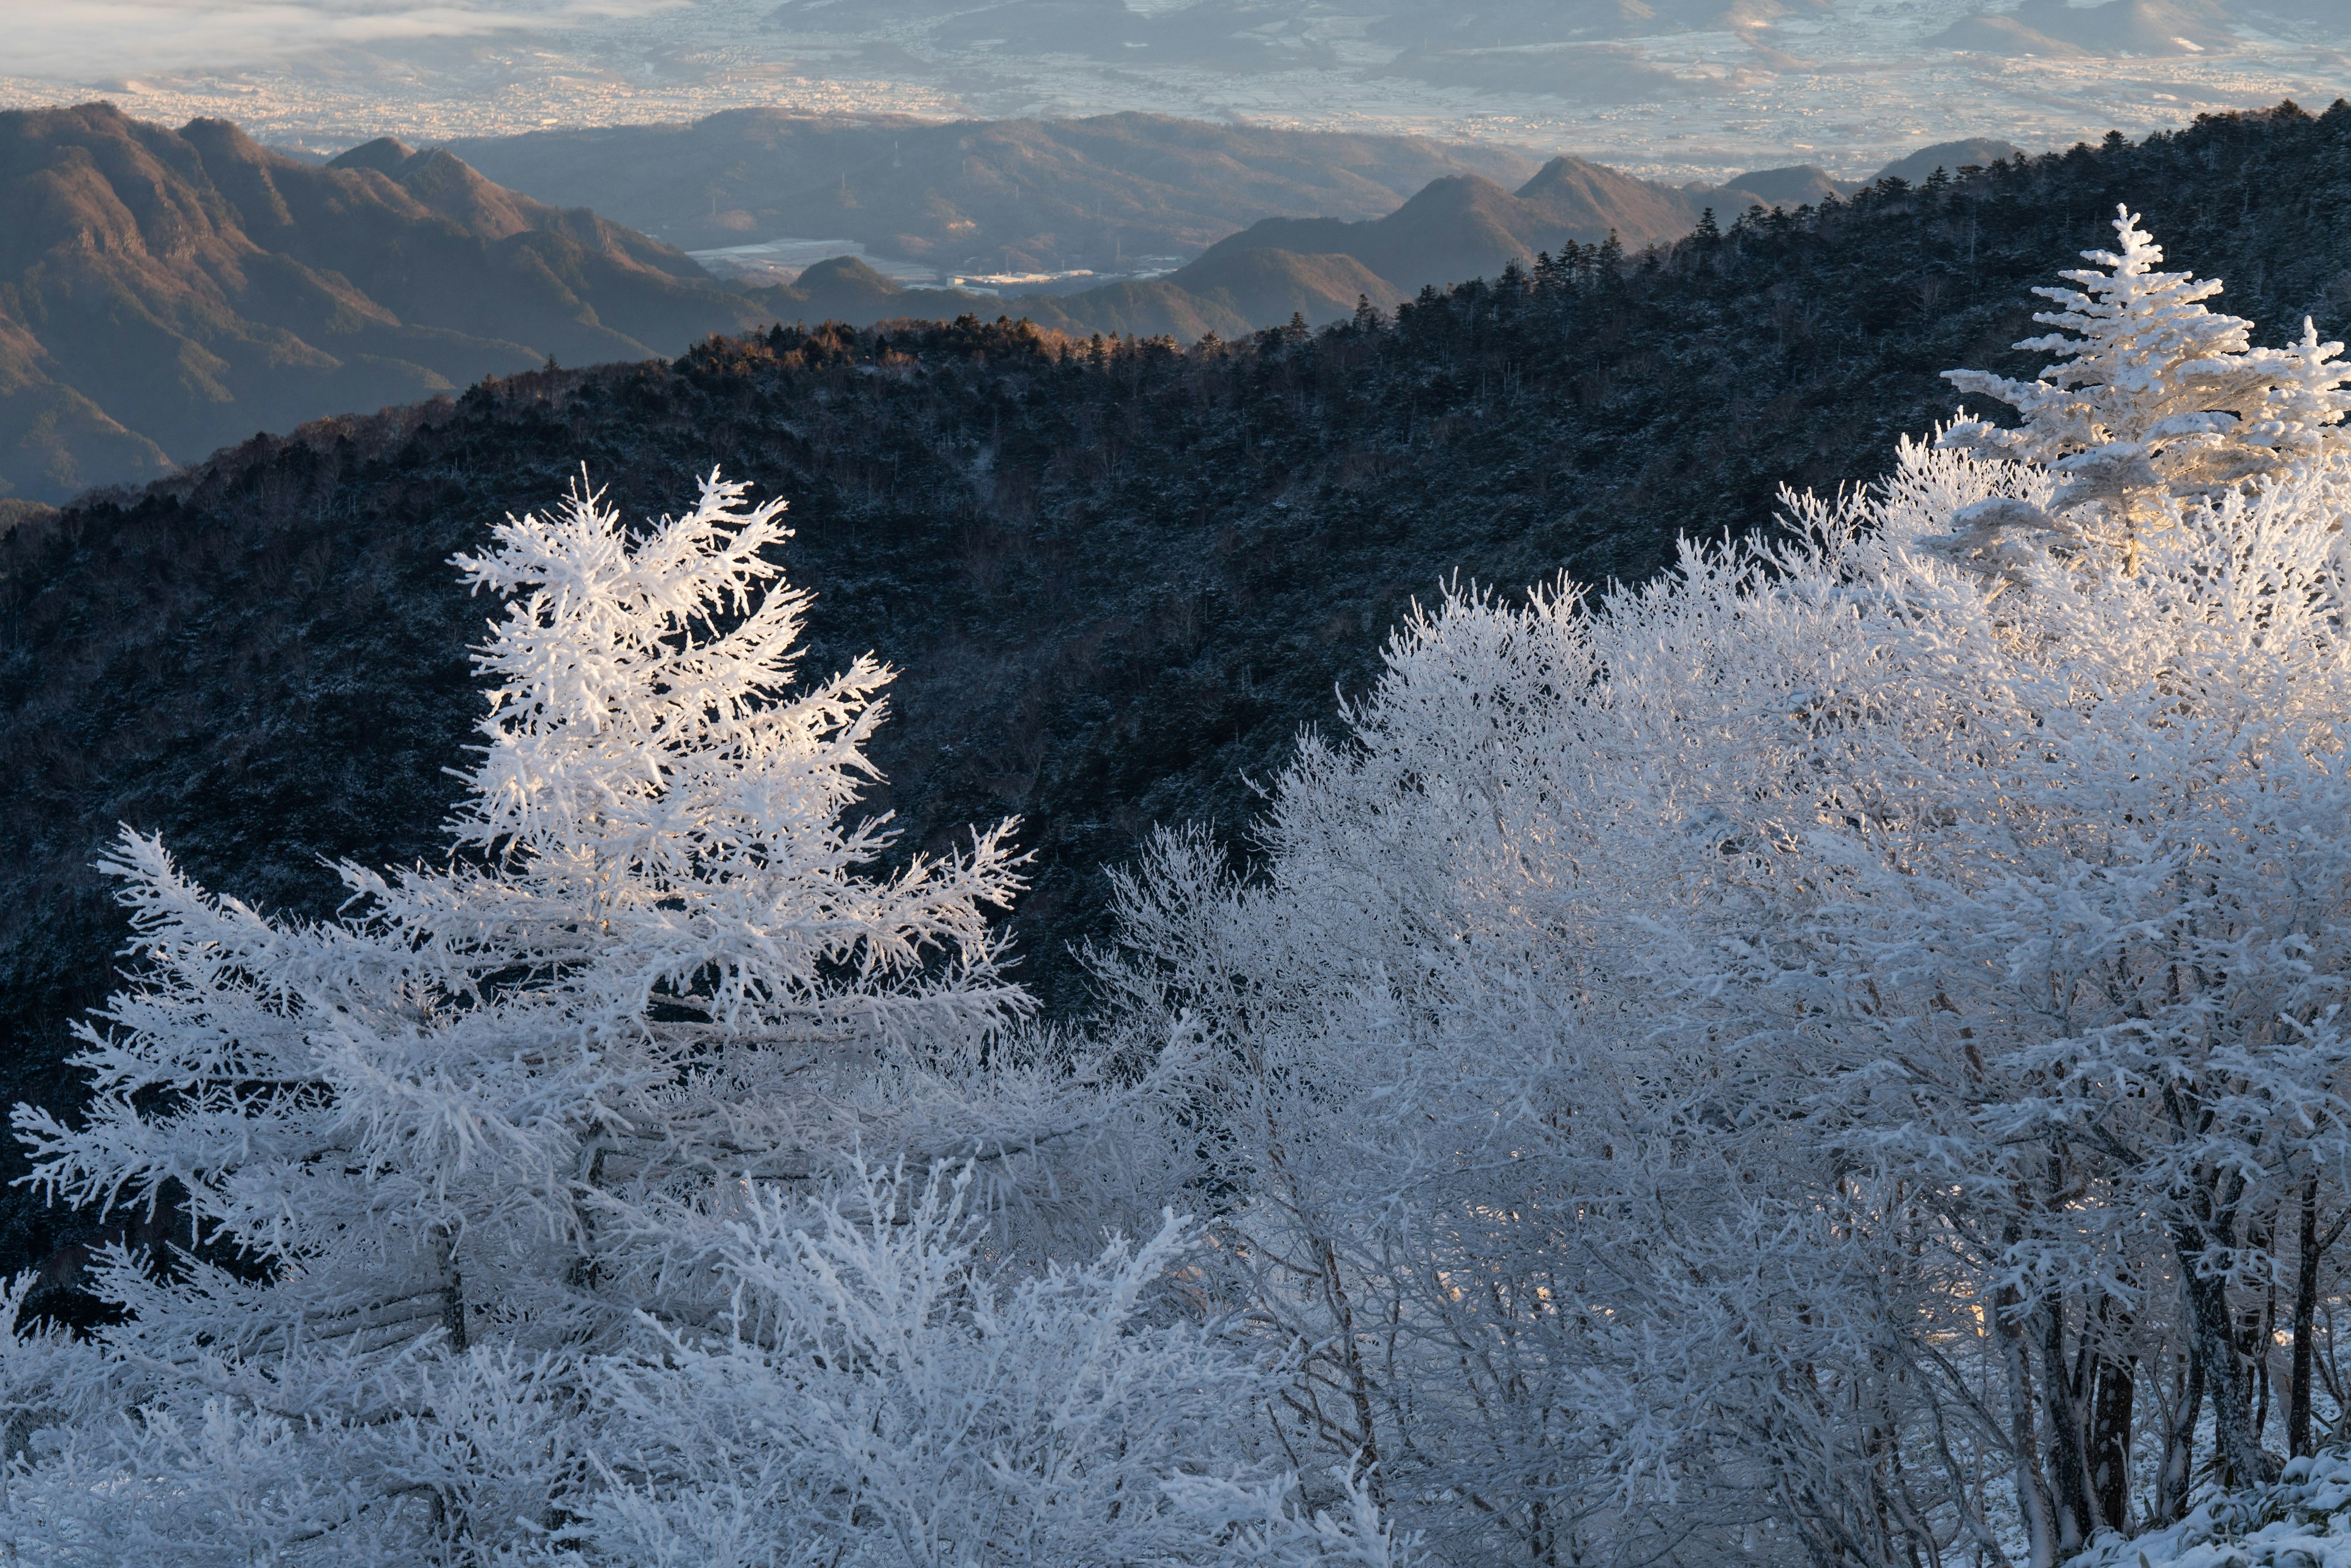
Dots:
{"x": 1565, "y": 168}
{"x": 168, "y": 292}
{"x": 1450, "y": 195}
{"x": 848, "y": 271}
{"x": 1948, "y": 156}
{"x": 385, "y": 155}
{"x": 1798, "y": 186}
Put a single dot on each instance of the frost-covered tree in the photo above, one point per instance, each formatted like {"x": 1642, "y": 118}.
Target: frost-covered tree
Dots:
{"x": 658, "y": 960}
{"x": 2153, "y": 397}
{"x": 477, "y": 1179}
{"x": 1822, "y": 1055}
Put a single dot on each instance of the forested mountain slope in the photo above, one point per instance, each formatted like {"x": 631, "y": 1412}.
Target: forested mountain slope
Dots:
{"x": 164, "y": 292}
{"x": 1118, "y": 579}
{"x": 1224, "y": 293}
{"x": 1018, "y": 195}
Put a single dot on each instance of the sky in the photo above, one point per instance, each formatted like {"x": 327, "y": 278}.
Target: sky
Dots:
{"x": 1687, "y": 88}
{"x": 75, "y": 39}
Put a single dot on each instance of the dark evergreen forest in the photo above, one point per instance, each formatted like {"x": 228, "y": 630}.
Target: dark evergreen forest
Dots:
{"x": 1119, "y": 576}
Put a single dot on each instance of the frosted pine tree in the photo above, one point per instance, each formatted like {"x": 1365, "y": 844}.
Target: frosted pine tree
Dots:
{"x": 509, "y": 1104}
{"x": 659, "y": 961}
{"x": 2153, "y": 399}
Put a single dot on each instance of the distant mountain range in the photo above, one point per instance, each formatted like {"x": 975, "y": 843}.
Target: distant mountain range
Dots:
{"x": 164, "y": 293}
{"x": 1055, "y": 196}
{"x": 974, "y": 196}
{"x": 1456, "y": 227}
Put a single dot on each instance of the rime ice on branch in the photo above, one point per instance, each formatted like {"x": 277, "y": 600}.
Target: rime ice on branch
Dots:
{"x": 502, "y": 1186}
{"x": 2153, "y": 399}
{"x": 1820, "y": 1057}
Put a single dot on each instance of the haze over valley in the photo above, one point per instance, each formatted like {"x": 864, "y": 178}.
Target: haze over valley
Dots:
{"x": 1680, "y": 89}
{"x": 1146, "y": 167}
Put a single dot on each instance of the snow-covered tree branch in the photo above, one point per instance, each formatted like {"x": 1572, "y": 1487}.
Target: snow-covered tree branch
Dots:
{"x": 497, "y": 1192}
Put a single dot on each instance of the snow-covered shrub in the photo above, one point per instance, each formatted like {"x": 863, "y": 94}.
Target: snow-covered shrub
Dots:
{"x": 871, "y": 1396}
{"x": 2301, "y": 1520}
{"x": 1822, "y": 1055}
{"x": 506, "y": 1193}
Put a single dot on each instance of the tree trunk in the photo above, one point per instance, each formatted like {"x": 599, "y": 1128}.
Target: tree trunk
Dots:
{"x": 2031, "y": 1490}
{"x": 2069, "y": 1475}
{"x": 2113, "y": 1392}
{"x": 2236, "y": 1445}
{"x": 453, "y": 1293}
{"x": 2305, "y": 1322}
{"x": 2178, "y": 1471}
{"x": 2259, "y": 1338}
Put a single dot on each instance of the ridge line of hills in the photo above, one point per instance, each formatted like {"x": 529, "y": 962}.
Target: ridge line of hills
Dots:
{"x": 164, "y": 293}
{"x": 1455, "y": 228}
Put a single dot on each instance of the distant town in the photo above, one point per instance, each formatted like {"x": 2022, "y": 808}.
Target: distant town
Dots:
{"x": 1695, "y": 93}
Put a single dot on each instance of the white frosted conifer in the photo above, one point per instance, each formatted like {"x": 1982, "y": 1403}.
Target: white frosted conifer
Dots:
{"x": 641, "y": 1188}
{"x": 659, "y": 961}
{"x": 2153, "y": 399}
{"x": 447, "y": 1156}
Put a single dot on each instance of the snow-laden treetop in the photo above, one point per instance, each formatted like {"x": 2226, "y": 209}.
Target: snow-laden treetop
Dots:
{"x": 653, "y": 789}
{"x": 2153, "y": 395}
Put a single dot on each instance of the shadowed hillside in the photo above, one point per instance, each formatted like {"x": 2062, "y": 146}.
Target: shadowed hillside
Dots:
{"x": 1226, "y": 296}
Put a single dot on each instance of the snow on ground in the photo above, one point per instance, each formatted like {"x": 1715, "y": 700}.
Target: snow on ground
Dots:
{"x": 2303, "y": 1521}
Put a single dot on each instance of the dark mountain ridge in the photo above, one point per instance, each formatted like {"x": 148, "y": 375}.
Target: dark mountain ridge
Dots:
{"x": 1118, "y": 575}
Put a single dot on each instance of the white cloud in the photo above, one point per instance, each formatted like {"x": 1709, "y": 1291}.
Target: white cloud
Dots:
{"x": 95, "y": 40}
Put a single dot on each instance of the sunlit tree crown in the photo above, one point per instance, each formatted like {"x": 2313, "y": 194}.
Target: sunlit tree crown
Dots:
{"x": 2153, "y": 397}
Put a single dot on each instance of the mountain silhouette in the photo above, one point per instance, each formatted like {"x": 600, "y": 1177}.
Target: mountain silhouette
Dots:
{"x": 1008, "y": 195}
{"x": 164, "y": 293}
